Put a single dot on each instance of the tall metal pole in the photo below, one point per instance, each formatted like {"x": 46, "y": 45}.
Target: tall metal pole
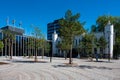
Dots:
{"x": 109, "y": 46}
{"x": 9, "y": 47}
{"x": 34, "y": 46}
{"x": 23, "y": 44}
{"x": 18, "y": 46}
{"x": 6, "y": 48}
{"x": 2, "y": 48}
{"x": 15, "y": 45}
{"x": 28, "y": 47}
{"x": 51, "y": 55}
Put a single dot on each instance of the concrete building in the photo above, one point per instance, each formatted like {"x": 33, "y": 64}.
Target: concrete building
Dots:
{"x": 108, "y": 34}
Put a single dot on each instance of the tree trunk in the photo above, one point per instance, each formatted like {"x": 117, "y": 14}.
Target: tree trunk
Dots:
{"x": 79, "y": 55}
{"x": 65, "y": 55}
{"x": 70, "y": 59}
{"x": 9, "y": 47}
{"x": 11, "y": 50}
{"x": 35, "y": 52}
{"x": 42, "y": 53}
{"x": 103, "y": 52}
{"x": 51, "y": 57}
{"x": 36, "y": 55}
{"x": 6, "y": 48}
{"x": 96, "y": 55}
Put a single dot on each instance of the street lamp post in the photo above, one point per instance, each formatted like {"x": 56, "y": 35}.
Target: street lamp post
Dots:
{"x": 109, "y": 46}
{"x": 51, "y": 55}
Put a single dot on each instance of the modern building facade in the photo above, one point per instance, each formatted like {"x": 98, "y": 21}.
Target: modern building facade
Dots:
{"x": 51, "y": 27}
{"x": 20, "y": 43}
{"x": 108, "y": 34}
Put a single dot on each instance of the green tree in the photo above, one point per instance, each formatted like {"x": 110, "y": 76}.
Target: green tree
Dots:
{"x": 1, "y": 45}
{"x": 37, "y": 35}
{"x": 87, "y": 43}
{"x": 117, "y": 39}
{"x": 70, "y": 27}
{"x": 63, "y": 46}
{"x": 102, "y": 43}
{"x": 103, "y": 20}
{"x": 10, "y": 37}
{"x": 79, "y": 48}
{"x": 116, "y": 48}
{"x": 47, "y": 47}
{"x": 30, "y": 45}
{"x": 96, "y": 46}
{"x": 42, "y": 45}
{"x": 93, "y": 28}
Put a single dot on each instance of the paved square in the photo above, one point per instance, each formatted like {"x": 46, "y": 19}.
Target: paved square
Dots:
{"x": 24, "y": 69}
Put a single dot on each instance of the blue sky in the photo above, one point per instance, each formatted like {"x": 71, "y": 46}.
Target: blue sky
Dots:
{"x": 41, "y": 12}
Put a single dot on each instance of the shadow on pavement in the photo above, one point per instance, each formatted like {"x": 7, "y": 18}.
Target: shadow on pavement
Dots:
{"x": 83, "y": 67}
{"x": 93, "y": 67}
{"x": 29, "y": 61}
{"x": 100, "y": 61}
{"x": 66, "y": 65}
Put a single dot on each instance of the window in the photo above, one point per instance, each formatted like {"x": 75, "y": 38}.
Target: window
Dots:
{"x": 0, "y": 36}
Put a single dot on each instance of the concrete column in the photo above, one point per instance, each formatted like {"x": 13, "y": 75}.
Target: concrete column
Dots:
{"x": 109, "y": 35}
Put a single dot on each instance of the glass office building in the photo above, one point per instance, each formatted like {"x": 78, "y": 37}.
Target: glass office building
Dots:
{"x": 20, "y": 47}
{"x": 51, "y": 28}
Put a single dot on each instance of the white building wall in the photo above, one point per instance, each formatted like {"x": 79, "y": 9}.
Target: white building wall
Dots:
{"x": 108, "y": 34}
{"x": 78, "y": 39}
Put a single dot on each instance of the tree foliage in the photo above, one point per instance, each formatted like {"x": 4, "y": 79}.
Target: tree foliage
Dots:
{"x": 38, "y": 37}
{"x": 87, "y": 43}
{"x": 1, "y": 45}
{"x": 70, "y": 27}
{"x": 93, "y": 28}
{"x": 103, "y": 20}
{"x": 63, "y": 46}
{"x": 47, "y": 47}
{"x": 102, "y": 42}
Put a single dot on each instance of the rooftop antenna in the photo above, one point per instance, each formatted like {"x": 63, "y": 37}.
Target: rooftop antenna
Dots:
{"x": 13, "y": 22}
{"x": 7, "y": 21}
{"x": 20, "y": 24}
